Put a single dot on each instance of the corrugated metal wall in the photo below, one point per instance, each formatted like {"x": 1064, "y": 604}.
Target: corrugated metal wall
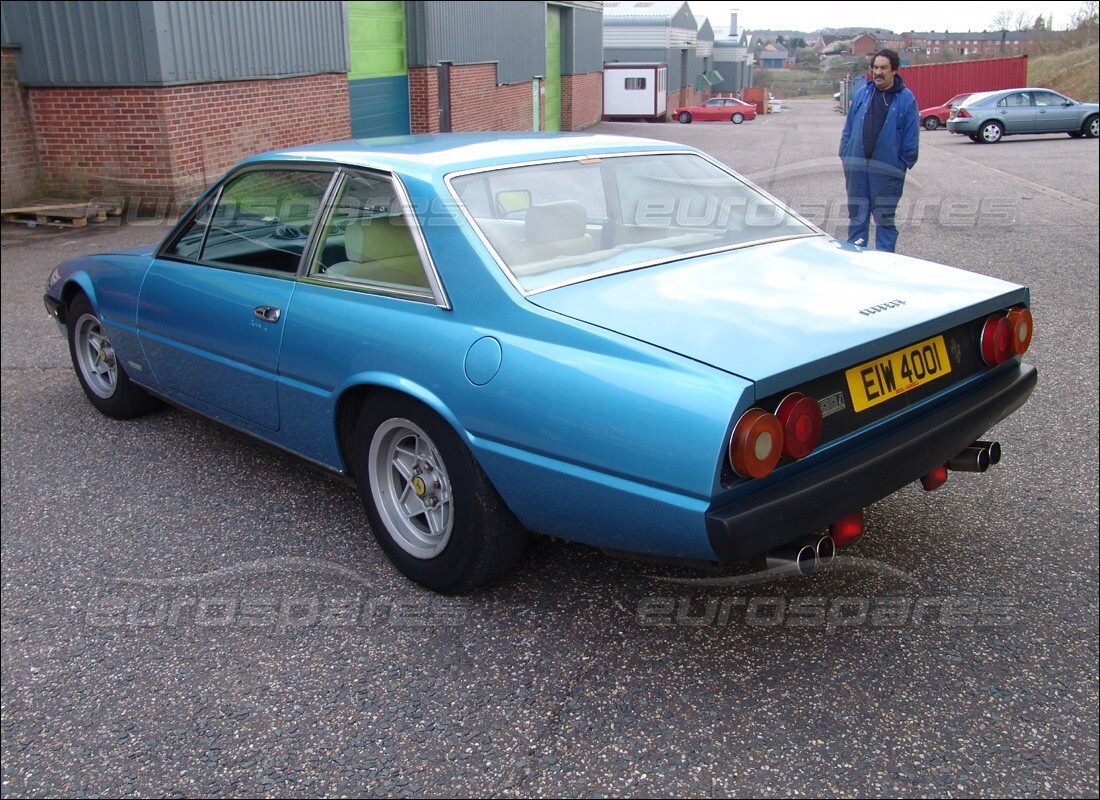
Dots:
{"x": 936, "y": 83}
{"x": 511, "y": 34}
{"x": 165, "y": 42}
{"x": 582, "y": 41}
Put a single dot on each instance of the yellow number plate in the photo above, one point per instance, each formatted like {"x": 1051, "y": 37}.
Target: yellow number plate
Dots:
{"x": 887, "y": 377}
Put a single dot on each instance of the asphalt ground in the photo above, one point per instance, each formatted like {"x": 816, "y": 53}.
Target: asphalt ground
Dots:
{"x": 187, "y": 613}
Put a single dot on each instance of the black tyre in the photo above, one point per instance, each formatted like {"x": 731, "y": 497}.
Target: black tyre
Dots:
{"x": 737, "y": 118}
{"x": 101, "y": 376}
{"x": 1091, "y": 128}
{"x": 973, "y": 137}
{"x": 991, "y": 132}
{"x": 930, "y": 123}
{"x": 684, "y": 117}
{"x": 432, "y": 509}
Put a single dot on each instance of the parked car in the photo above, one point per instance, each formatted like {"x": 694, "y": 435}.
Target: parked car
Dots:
{"x": 718, "y": 109}
{"x": 936, "y": 116}
{"x": 610, "y": 340}
{"x": 987, "y": 117}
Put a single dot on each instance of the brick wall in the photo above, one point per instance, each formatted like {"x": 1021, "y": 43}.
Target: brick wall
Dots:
{"x": 174, "y": 141}
{"x": 423, "y": 100}
{"x": 581, "y": 100}
{"x": 479, "y": 104}
{"x": 19, "y": 179}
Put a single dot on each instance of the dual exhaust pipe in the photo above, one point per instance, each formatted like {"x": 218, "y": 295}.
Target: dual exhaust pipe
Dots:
{"x": 979, "y": 457}
{"x": 805, "y": 556}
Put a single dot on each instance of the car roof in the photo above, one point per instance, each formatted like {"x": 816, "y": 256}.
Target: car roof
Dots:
{"x": 431, "y": 156}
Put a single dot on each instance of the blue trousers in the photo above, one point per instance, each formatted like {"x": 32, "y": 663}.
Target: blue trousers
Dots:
{"x": 874, "y": 190}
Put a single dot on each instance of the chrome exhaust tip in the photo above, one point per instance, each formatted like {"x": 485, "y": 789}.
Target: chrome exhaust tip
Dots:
{"x": 825, "y": 549}
{"x": 972, "y": 459}
{"x": 799, "y": 557}
{"x": 803, "y": 557}
{"x": 993, "y": 449}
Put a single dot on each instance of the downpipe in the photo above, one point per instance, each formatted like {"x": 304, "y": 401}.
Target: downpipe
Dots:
{"x": 805, "y": 556}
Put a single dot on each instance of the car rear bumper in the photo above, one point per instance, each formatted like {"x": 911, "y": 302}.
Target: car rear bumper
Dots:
{"x": 791, "y": 509}
{"x": 963, "y": 126}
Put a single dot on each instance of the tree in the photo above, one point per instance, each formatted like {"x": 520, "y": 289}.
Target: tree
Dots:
{"x": 1085, "y": 23}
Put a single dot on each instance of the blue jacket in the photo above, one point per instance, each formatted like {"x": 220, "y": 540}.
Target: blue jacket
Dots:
{"x": 900, "y": 138}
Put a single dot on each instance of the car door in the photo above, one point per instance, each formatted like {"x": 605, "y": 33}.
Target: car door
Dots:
{"x": 1017, "y": 112}
{"x": 1055, "y": 113}
{"x": 215, "y": 301}
{"x": 713, "y": 110}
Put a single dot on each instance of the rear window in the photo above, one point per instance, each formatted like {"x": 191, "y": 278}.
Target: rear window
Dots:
{"x": 561, "y": 222}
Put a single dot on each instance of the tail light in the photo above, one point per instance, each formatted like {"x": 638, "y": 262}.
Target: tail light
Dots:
{"x": 800, "y": 417}
{"x": 1006, "y": 335}
{"x": 1020, "y": 319}
{"x": 963, "y": 113}
{"x": 996, "y": 340}
{"x": 756, "y": 444}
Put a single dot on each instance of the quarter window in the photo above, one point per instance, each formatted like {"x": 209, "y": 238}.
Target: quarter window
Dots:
{"x": 369, "y": 241}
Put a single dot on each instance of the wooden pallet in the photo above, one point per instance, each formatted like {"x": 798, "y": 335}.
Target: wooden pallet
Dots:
{"x": 62, "y": 213}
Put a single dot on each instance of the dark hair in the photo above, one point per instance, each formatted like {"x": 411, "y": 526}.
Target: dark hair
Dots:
{"x": 892, "y": 55}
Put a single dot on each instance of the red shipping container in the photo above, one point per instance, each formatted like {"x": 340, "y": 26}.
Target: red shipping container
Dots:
{"x": 934, "y": 84}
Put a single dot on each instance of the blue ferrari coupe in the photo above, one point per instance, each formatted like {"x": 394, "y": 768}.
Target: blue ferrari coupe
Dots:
{"x": 609, "y": 340}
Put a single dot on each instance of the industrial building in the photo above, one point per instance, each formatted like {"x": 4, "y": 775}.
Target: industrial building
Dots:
{"x": 156, "y": 98}
{"x": 701, "y": 58}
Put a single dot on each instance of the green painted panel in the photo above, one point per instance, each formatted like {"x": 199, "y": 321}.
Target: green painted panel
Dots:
{"x": 553, "y": 68}
{"x": 376, "y": 35}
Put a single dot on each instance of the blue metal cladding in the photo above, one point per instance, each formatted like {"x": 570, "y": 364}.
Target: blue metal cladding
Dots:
{"x": 379, "y": 106}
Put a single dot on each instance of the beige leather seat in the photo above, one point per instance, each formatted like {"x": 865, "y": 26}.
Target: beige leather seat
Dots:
{"x": 549, "y": 231}
{"x": 381, "y": 249}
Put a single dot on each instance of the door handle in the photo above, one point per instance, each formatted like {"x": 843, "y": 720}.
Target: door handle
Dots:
{"x": 267, "y": 313}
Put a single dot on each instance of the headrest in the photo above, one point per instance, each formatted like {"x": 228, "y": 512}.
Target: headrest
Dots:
{"x": 378, "y": 238}
{"x": 555, "y": 222}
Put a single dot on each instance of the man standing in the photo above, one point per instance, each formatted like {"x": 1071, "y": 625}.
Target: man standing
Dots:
{"x": 879, "y": 143}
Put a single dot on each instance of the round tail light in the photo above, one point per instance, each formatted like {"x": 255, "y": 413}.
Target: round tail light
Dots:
{"x": 1020, "y": 320}
{"x": 800, "y": 417}
{"x": 996, "y": 340}
{"x": 756, "y": 444}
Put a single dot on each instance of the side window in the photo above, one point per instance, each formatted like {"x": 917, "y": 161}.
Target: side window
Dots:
{"x": 1016, "y": 100}
{"x": 368, "y": 240}
{"x": 261, "y": 219}
{"x": 1048, "y": 99}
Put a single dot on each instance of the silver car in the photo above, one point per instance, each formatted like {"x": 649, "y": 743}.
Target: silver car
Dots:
{"x": 986, "y": 117}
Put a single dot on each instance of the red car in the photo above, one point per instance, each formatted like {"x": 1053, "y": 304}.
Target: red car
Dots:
{"x": 936, "y": 116}
{"x": 719, "y": 109}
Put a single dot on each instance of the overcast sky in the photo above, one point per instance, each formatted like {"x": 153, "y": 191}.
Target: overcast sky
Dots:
{"x": 898, "y": 16}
